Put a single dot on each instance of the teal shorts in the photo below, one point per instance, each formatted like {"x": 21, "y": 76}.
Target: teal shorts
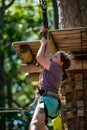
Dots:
{"x": 51, "y": 104}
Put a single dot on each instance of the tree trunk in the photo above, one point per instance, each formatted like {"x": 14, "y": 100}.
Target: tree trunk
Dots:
{"x": 72, "y": 13}
{"x": 9, "y": 94}
{"x": 3, "y": 8}
{"x": 2, "y": 98}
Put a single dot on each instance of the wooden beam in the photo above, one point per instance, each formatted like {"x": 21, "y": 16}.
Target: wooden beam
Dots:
{"x": 52, "y": 44}
{"x": 65, "y": 37}
{"x": 70, "y": 39}
{"x": 26, "y": 54}
{"x": 33, "y": 45}
{"x": 34, "y": 73}
{"x": 74, "y": 40}
{"x": 31, "y": 68}
{"x": 32, "y": 77}
{"x": 29, "y": 55}
{"x": 78, "y": 65}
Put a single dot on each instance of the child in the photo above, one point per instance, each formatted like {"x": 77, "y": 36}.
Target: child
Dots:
{"x": 53, "y": 74}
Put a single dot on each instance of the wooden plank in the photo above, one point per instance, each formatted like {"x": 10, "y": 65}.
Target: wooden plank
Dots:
{"x": 71, "y": 49}
{"x": 78, "y": 65}
{"x": 66, "y": 40}
{"x": 52, "y": 45}
{"x": 78, "y": 46}
{"x": 66, "y": 34}
{"x": 65, "y": 31}
{"x": 34, "y": 74}
{"x": 31, "y": 68}
{"x": 34, "y": 45}
{"x": 71, "y": 40}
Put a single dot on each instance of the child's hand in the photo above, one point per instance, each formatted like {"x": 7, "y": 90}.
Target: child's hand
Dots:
{"x": 44, "y": 32}
{"x": 43, "y": 41}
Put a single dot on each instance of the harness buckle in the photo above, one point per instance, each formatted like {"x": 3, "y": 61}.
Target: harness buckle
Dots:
{"x": 42, "y": 92}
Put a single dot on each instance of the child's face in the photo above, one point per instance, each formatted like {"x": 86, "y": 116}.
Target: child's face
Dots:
{"x": 57, "y": 58}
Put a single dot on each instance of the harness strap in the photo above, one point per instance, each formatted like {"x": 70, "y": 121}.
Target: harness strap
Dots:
{"x": 52, "y": 93}
{"x": 47, "y": 116}
{"x": 46, "y": 113}
{"x": 43, "y": 93}
{"x": 46, "y": 92}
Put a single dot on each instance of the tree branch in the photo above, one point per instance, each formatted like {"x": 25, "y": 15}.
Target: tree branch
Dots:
{"x": 3, "y": 2}
{"x": 7, "y": 6}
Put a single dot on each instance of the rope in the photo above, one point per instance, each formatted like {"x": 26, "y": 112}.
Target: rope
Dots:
{"x": 11, "y": 110}
{"x": 7, "y": 111}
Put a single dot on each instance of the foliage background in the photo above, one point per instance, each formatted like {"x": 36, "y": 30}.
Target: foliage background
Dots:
{"x": 22, "y": 21}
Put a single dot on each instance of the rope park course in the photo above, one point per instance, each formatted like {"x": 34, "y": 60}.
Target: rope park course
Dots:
{"x": 74, "y": 92}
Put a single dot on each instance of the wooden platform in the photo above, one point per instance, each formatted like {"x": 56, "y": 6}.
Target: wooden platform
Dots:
{"x": 73, "y": 40}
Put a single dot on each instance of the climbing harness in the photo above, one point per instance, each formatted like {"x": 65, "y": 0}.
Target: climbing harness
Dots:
{"x": 43, "y": 108}
{"x": 46, "y": 92}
